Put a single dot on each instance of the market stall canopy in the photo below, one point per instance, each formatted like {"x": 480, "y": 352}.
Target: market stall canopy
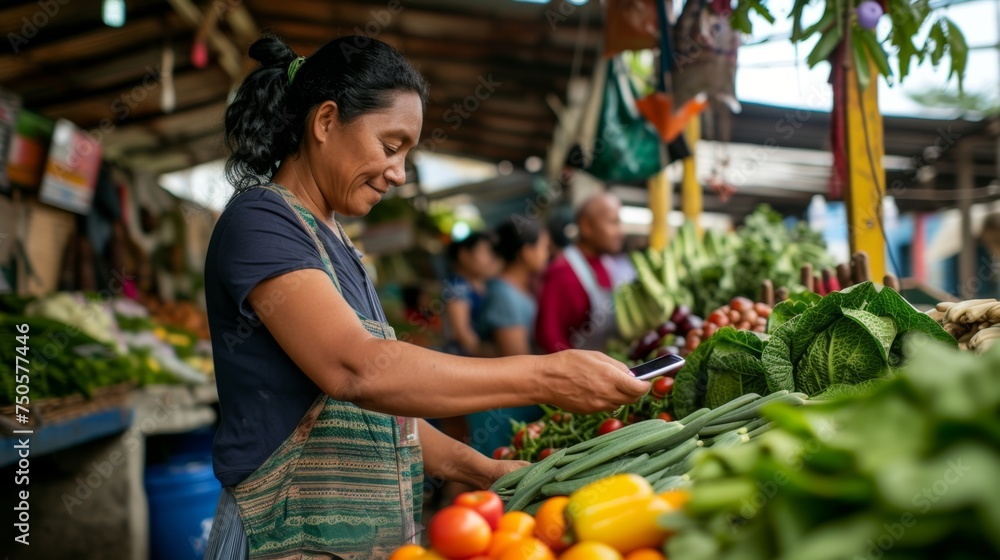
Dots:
{"x": 490, "y": 63}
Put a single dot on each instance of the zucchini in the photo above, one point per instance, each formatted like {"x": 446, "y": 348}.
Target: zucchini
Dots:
{"x": 650, "y": 439}
{"x": 669, "y": 458}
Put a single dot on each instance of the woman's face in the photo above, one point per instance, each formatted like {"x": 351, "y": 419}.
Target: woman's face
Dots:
{"x": 481, "y": 261}
{"x": 359, "y": 161}
{"x": 537, "y": 256}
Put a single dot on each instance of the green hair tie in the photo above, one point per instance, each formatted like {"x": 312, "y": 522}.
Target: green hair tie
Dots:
{"x": 294, "y": 67}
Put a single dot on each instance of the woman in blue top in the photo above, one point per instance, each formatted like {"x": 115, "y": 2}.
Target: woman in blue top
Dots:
{"x": 509, "y": 320}
{"x": 474, "y": 263}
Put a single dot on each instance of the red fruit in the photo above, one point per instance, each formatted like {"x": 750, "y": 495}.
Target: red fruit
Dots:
{"x": 665, "y": 416}
{"x": 734, "y": 316}
{"x": 740, "y": 304}
{"x": 545, "y": 453}
{"x": 609, "y": 425}
{"x": 718, "y": 318}
{"x": 663, "y": 386}
{"x": 459, "y": 532}
{"x": 501, "y": 453}
{"x": 485, "y": 503}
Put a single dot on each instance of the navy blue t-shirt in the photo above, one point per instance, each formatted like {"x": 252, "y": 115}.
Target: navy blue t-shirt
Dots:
{"x": 262, "y": 393}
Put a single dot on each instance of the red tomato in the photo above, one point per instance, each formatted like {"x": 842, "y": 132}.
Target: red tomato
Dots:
{"x": 633, "y": 418}
{"x": 484, "y": 503}
{"x": 519, "y": 439}
{"x": 503, "y": 453}
{"x": 741, "y": 304}
{"x": 665, "y": 416}
{"x": 663, "y": 386}
{"x": 609, "y": 425}
{"x": 718, "y": 318}
{"x": 545, "y": 453}
{"x": 459, "y": 532}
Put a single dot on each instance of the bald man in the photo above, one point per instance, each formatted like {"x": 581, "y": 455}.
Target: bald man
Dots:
{"x": 574, "y": 307}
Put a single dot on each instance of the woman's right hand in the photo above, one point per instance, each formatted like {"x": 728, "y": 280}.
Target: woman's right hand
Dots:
{"x": 583, "y": 381}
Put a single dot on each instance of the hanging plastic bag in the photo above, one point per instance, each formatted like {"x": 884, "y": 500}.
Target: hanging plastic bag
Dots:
{"x": 626, "y": 148}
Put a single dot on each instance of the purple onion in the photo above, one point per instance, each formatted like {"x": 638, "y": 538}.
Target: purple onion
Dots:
{"x": 681, "y": 312}
{"x": 666, "y": 328}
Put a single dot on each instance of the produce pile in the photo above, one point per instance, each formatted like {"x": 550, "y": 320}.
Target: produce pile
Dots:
{"x": 705, "y": 274}
{"x": 740, "y": 313}
{"x": 558, "y": 429}
{"x": 614, "y": 519}
{"x": 657, "y": 450}
{"x": 974, "y": 323}
{"x": 905, "y": 470}
{"x": 77, "y": 343}
{"x": 817, "y": 346}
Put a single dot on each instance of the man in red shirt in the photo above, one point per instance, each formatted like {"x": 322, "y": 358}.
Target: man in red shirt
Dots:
{"x": 575, "y": 306}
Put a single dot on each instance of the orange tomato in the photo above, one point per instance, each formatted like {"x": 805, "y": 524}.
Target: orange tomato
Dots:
{"x": 431, "y": 555}
{"x": 528, "y": 549}
{"x": 590, "y": 550}
{"x": 502, "y": 540}
{"x": 459, "y": 532}
{"x": 517, "y": 522}
{"x": 645, "y": 554}
{"x": 550, "y": 523}
{"x": 676, "y": 498}
{"x": 408, "y": 552}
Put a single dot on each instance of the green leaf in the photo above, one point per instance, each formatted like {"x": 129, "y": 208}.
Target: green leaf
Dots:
{"x": 691, "y": 381}
{"x": 937, "y": 38}
{"x": 883, "y": 329}
{"x": 875, "y": 51}
{"x": 860, "y": 58}
{"x": 776, "y": 358}
{"x": 958, "y": 50}
{"x": 796, "y": 16}
{"x": 825, "y": 46}
{"x": 794, "y": 305}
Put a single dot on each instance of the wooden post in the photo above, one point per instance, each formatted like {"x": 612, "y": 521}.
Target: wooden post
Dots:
{"x": 660, "y": 195}
{"x": 690, "y": 189}
{"x": 866, "y": 174}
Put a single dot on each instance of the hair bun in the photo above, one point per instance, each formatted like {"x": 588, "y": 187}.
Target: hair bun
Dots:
{"x": 271, "y": 51}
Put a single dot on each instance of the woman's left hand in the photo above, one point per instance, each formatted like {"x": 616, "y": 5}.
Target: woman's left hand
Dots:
{"x": 499, "y": 468}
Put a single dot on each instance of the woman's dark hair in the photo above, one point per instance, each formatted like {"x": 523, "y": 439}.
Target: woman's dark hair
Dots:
{"x": 266, "y": 119}
{"x": 513, "y": 236}
{"x": 467, "y": 244}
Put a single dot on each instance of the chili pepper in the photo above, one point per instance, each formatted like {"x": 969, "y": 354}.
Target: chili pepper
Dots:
{"x": 620, "y": 511}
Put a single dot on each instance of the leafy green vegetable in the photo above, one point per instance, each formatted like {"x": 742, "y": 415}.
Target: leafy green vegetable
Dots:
{"x": 900, "y": 468}
{"x": 815, "y": 345}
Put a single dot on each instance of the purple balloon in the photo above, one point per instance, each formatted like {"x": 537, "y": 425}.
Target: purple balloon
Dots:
{"x": 868, "y": 14}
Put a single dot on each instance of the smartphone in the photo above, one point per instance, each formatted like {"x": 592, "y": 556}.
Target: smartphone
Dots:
{"x": 658, "y": 367}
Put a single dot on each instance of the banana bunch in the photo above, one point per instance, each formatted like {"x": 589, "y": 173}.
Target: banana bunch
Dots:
{"x": 975, "y": 323}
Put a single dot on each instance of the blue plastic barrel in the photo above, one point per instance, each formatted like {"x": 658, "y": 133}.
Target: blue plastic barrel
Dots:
{"x": 182, "y": 496}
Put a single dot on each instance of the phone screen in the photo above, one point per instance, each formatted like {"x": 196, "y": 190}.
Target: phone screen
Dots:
{"x": 659, "y": 366}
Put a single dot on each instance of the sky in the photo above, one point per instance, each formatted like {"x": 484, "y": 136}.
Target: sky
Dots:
{"x": 775, "y": 61}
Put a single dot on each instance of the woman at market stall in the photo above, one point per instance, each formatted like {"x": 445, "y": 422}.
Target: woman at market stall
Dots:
{"x": 508, "y": 318}
{"x": 318, "y": 450}
{"x": 473, "y": 263}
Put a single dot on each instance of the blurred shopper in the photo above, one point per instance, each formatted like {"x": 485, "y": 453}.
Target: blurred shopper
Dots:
{"x": 509, "y": 320}
{"x": 575, "y": 309}
{"x": 473, "y": 263}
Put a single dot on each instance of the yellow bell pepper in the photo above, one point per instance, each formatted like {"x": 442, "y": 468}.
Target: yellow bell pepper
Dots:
{"x": 620, "y": 511}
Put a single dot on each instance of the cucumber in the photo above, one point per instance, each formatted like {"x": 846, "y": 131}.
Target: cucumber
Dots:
{"x": 694, "y": 415}
{"x": 629, "y": 430}
{"x": 526, "y": 493}
{"x": 532, "y": 509}
{"x": 652, "y": 439}
{"x": 510, "y": 479}
{"x": 760, "y": 430}
{"x": 716, "y": 429}
{"x": 539, "y": 469}
{"x": 671, "y": 482}
{"x": 567, "y": 487}
{"x": 669, "y": 458}
{"x": 754, "y": 409}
